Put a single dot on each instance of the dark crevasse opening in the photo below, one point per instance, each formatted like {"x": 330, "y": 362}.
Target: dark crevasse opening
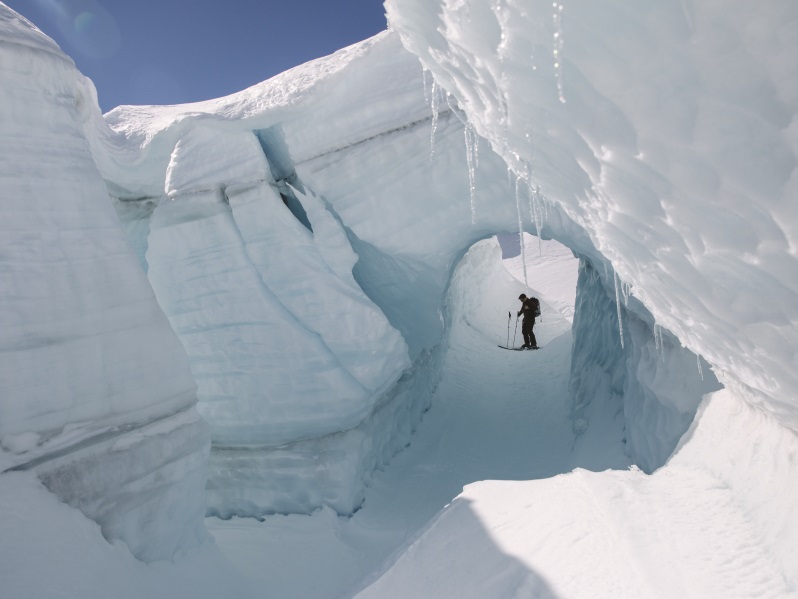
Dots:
{"x": 272, "y": 142}
{"x": 295, "y": 206}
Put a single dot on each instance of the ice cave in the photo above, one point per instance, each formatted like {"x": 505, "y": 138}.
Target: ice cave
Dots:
{"x": 251, "y": 345}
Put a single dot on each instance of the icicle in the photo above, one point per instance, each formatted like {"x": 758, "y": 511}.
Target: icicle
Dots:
{"x": 658, "y": 342}
{"x": 527, "y": 174}
{"x": 470, "y": 143}
{"x": 454, "y": 109}
{"x": 509, "y": 178}
{"x": 618, "y": 305}
{"x": 520, "y": 229}
{"x": 427, "y": 99}
{"x": 700, "y": 369}
{"x": 536, "y": 213}
{"x": 434, "y": 107}
{"x": 626, "y": 289}
{"x": 531, "y": 206}
{"x": 557, "y": 50}
{"x": 530, "y": 196}
{"x": 531, "y": 199}
{"x": 476, "y": 148}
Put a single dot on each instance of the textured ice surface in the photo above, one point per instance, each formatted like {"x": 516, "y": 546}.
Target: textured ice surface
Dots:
{"x": 672, "y": 144}
{"x": 144, "y": 487}
{"x": 263, "y": 378}
{"x": 80, "y": 323}
{"x": 333, "y": 470}
{"x": 647, "y": 389}
{"x": 88, "y": 358}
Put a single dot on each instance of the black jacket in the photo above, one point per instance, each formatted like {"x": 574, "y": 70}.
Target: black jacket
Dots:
{"x": 530, "y": 308}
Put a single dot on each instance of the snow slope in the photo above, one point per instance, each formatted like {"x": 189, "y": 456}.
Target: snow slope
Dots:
{"x": 681, "y": 532}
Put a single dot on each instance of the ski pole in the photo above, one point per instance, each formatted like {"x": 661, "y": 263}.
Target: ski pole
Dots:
{"x": 509, "y": 318}
{"x": 516, "y": 330}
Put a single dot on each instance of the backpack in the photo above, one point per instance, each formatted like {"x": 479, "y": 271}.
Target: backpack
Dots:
{"x": 536, "y": 306}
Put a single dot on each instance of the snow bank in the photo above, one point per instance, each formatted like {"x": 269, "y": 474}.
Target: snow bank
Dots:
{"x": 133, "y": 144}
{"x": 692, "y": 529}
{"x": 90, "y": 363}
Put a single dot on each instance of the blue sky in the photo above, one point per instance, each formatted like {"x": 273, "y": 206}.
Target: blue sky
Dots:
{"x": 175, "y": 51}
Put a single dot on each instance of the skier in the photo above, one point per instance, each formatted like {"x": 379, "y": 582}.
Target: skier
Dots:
{"x": 530, "y": 307}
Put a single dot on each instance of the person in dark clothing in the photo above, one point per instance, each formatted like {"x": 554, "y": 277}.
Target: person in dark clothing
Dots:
{"x": 530, "y": 307}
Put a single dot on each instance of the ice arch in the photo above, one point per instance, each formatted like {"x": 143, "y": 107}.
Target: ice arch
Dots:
{"x": 680, "y": 172}
{"x": 316, "y": 344}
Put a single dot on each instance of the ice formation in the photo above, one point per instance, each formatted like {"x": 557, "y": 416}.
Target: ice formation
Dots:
{"x": 97, "y": 395}
{"x": 300, "y": 238}
{"x": 680, "y": 160}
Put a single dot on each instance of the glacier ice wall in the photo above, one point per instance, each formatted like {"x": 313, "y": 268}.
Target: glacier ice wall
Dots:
{"x": 664, "y": 131}
{"x": 295, "y": 364}
{"x": 97, "y": 396}
{"x": 628, "y": 375}
{"x": 256, "y": 279}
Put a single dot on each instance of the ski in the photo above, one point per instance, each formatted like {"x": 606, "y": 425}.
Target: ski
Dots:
{"x": 517, "y": 348}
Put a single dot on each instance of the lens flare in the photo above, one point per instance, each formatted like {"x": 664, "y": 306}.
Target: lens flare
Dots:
{"x": 90, "y": 30}
{"x": 83, "y": 22}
